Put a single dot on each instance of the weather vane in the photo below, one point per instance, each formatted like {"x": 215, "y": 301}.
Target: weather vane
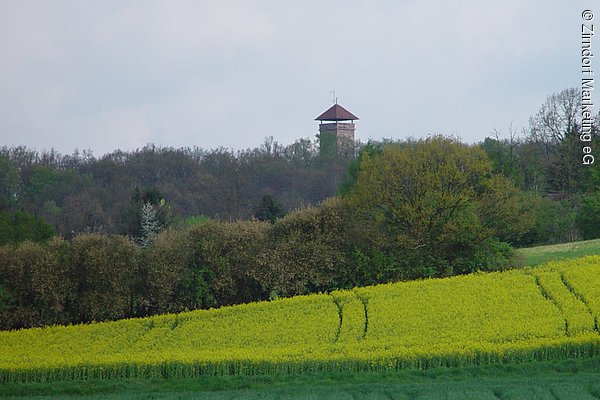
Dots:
{"x": 334, "y": 99}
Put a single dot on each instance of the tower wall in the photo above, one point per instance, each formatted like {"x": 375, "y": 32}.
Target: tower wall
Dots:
{"x": 339, "y": 135}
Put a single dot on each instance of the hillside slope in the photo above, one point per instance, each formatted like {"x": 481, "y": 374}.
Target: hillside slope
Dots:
{"x": 549, "y": 312}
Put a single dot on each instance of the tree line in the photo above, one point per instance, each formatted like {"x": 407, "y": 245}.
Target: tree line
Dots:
{"x": 79, "y": 193}
{"x": 138, "y": 235}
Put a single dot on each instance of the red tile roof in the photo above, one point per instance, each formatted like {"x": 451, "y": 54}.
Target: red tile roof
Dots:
{"x": 336, "y": 113}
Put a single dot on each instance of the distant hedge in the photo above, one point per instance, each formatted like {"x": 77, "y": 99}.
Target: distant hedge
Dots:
{"x": 96, "y": 277}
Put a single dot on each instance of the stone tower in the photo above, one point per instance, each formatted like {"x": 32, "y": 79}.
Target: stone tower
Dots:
{"x": 336, "y": 137}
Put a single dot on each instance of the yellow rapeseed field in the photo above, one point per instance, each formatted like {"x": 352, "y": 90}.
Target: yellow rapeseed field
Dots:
{"x": 549, "y": 312}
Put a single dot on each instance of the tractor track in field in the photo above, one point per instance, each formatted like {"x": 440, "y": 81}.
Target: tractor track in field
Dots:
{"x": 339, "y": 303}
{"x": 551, "y": 299}
{"x": 365, "y": 303}
{"x": 340, "y": 309}
{"x": 579, "y": 297}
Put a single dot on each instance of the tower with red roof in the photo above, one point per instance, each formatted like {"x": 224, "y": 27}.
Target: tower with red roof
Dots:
{"x": 336, "y": 135}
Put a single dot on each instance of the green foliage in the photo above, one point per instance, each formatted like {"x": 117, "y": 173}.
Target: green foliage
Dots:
{"x": 6, "y": 301}
{"x": 78, "y": 204}
{"x": 505, "y": 158}
{"x": 20, "y": 226}
{"x": 588, "y": 218}
{"x": 505, "y": 209}
{"x": 433, "y": 204}
{"x": 151, "y": 195}
{"x": 490, "y": 255}
{"x": 226, "y": 253}
{"x": 269, "y": 209}
{"x": 102, "y": 271}
{"x": 193, "y": 220}
{"x": 555, "y": 221}
{"x": 34, "y": 279}
{"x": 174, "y": 281}
{"x": 328, "y": 145}
{"x": 372, "y": 266}
{"x": 89, "y": 278}
{"x": 371, "y": 149}
{"x": 305, "y": 251}
{"x": 43, "y": 182}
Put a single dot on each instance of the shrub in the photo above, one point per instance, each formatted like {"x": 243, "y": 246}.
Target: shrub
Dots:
{"x": 226, "y": 254}
{"x": 371, "y": 266}
{"x": 490, "y": 255}
{"x": 103, "y": 271}
{"x": 588, "y": 218}
{"x": 35, "y": 285}
{"x": 305, "y": 251}
{"x": 505, "y": 209}
{"x": 269, "y": 209}
{"x": 555, "y": 221}
{"x": 167, "y": 275}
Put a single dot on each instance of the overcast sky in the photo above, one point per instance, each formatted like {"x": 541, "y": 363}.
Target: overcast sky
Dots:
{"x": 107, "y": 75}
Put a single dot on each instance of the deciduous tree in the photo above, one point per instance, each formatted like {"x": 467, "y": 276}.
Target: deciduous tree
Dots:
{"x": 422, "y": 197}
